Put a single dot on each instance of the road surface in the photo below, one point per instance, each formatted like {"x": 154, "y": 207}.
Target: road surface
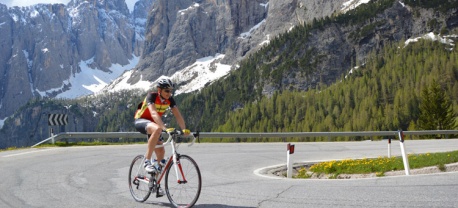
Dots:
{"x": 97, "y": 177}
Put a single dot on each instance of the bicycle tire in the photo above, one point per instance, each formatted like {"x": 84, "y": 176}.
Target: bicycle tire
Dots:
{"x": 183, "y": 194}
{"x": 141, "y": 190}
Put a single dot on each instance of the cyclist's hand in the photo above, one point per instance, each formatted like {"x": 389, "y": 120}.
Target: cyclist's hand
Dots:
{"x": 186, "y": 131}
{"x": 168, "y": 130}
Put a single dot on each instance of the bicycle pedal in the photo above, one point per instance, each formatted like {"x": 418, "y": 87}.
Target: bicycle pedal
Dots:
{"x": 159, "y": 194}
{"x": 159, "y": 191}
{"x": 152, "y": 184}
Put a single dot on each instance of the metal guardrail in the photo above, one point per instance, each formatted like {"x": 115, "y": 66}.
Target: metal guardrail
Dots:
{"x": 321, "y": 134}
{"x": 399, "y": 134}
{"x": 133, "y": 135}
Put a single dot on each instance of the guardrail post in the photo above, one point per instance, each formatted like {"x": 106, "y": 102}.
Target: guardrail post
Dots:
{"x": 51, "y": 133}
{"x": 403, "y": 152}
{"x": 389, "y": 147}
{"x": 289, "y": 163}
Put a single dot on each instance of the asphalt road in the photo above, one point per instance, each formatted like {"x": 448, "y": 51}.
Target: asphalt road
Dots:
{"x": 97, "y": 177}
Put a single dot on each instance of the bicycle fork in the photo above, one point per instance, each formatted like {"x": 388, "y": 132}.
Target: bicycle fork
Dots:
{"x": 178, "y": 167}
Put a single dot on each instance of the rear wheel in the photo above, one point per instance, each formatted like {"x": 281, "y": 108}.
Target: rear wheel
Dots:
{"x": 186, "y": 190}
{"x": 138, "y": 179}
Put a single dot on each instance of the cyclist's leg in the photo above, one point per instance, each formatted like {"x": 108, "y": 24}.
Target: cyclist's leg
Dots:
{"x": 160, "y": 152}
{"x": 155, "y": 139}
{"x": 155, "y": 131}
{"x": 147, "y": 127}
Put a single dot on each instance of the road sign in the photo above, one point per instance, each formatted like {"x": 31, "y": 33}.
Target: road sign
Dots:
{"x": 57, "y": 119}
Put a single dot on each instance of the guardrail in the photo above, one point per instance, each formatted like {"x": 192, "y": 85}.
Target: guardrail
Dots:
{"x": 400, "y": 134}
{"x": 133, "y": 135}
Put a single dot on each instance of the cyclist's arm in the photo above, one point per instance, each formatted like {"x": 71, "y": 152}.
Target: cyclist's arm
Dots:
{"x": 179, "y": 117}
{"x": 157, "y": 119}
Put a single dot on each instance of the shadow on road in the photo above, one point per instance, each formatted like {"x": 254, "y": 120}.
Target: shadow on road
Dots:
{"x": 218, "y": 206}
{"x": 197, "y": 205}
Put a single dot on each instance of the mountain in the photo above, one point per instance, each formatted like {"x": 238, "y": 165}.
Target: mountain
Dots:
{"x": 317, "y": 55}
{"x": 179, "y": 33}
{"x": 317, "y": 44}
{"x": 238, "y": 27}
{"x": 66, "y": 51}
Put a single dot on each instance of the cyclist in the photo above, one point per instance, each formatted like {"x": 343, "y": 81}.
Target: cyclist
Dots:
{"x": 148, "y": 120}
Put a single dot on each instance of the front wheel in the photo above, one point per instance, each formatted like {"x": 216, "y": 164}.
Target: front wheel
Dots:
{"x": 183, "y": 190}
{"x": 138, "y": 179}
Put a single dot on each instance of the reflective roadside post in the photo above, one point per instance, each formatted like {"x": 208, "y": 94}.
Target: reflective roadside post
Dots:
{"x": 389, "y": 147}
{"x": 51, "y": 134}
{"x": 289, "y": 163}
{"x": 403, "y": 152}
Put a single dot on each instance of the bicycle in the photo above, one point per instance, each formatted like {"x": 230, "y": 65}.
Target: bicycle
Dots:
{"x": 182, "y": 185}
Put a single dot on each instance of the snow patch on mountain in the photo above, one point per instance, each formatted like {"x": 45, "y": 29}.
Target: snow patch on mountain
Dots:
{"x": 352, "y": 4}
{"x": 200, "y": 74}
{"x": 431, "y": 36}
{"x": 89, "y": 81}
{"x": 192, "y": 78}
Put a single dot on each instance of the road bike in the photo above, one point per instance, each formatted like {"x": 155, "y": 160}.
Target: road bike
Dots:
{"x": 183, "y": 181}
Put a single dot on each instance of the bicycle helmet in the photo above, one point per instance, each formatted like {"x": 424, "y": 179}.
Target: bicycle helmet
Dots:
{"x": 165, "y": 83}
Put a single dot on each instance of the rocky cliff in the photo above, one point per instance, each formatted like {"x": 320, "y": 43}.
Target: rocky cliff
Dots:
{"x": 181, "y": 31}
{"x": 42, "y": 46}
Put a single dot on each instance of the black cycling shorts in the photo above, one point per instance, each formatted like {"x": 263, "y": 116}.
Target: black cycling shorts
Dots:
{"x": 140, "y": 125}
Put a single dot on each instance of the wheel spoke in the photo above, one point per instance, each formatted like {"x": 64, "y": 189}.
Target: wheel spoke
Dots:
{"x": 183, "y": 194}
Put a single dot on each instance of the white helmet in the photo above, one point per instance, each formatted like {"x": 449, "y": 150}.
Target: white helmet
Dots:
{"x": 165, "y": 83}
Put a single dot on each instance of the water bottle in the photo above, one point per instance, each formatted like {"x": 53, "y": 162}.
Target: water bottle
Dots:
{"x": 163, "y": 161}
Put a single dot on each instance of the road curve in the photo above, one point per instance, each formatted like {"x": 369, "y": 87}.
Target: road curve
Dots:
{"x": 97, "y": 177}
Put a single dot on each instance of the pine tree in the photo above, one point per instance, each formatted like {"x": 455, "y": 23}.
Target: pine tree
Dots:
{"x": 436, "y": 110}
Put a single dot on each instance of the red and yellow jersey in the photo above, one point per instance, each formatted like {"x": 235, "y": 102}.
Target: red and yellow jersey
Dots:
{"x": 153, "y": 98}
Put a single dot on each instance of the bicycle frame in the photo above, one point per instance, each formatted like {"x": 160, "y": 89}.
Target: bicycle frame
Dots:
{"x": 184, "y": 192}
{"x": 177, "y": 166}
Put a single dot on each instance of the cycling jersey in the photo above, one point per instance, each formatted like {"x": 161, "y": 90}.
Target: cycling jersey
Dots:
{"x": 161, "y": 105}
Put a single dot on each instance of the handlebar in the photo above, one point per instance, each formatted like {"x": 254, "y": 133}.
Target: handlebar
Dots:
{"x": 176, "y": 133}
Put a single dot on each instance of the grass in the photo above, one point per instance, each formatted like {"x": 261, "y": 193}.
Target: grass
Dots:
{"x": 9, "y": 148}
{"x": 379, "y": 165}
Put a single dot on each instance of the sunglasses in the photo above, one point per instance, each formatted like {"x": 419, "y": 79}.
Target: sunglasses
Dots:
{"x": 167, "y": 90}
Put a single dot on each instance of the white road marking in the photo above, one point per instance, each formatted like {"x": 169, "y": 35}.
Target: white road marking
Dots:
{"x": 30, "y": 152}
